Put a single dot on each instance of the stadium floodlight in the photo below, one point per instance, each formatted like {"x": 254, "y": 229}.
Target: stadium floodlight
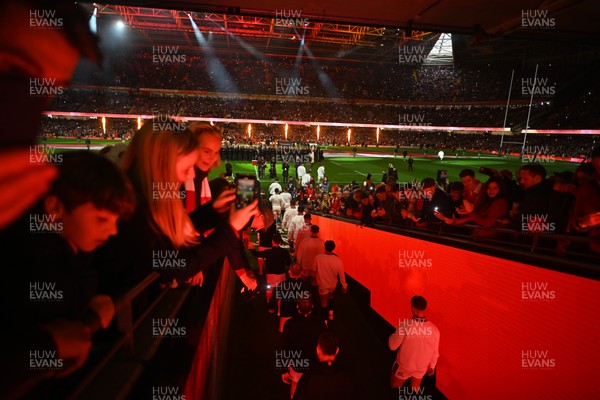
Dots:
{"x": 93, "y": 21}
{"x": 441, "y": 53}
{"x": 120, "y": 25}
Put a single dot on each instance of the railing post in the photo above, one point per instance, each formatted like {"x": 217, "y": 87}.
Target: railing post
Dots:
{"x": 534, "y": 243}
{"x": 125, "y": 325}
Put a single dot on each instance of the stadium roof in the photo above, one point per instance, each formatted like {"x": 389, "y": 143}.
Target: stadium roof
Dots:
{"x": 368, "y": 30}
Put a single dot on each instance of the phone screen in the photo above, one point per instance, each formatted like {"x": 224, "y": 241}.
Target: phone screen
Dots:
{"x": 245, "y": 191}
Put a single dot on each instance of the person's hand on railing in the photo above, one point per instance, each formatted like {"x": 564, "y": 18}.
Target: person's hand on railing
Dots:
{"x": 103, "y": 306}
{"x": 247, "y": 278}
{"x": 407, "y": 214}
{"x": 196, "y": 280}
{"x": 589, "y": 220}
{"x": 439, "y": 215}
{"x": 73, "y": 343}
{"x": 504, "y": 221}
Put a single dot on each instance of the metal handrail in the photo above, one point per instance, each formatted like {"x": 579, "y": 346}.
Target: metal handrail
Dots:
{"x": 125, "y": 324}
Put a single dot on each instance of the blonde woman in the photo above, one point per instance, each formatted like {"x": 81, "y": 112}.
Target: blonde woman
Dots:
{"x": 160, "y": 236}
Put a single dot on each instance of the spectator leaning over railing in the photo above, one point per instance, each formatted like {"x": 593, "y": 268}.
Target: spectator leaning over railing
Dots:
{"x": 534, "y": 206}
{"x": 472, "y": 190}
{"x": 586, "y": 211}
{"x": 491, "y": 207}
{"x": 52, "y": 303}
{"x": 425, "y": 203}
{"x": 161, "y": 236}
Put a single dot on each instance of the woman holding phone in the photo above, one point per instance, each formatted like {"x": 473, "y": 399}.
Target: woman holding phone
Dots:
{"x": 161, "y": 236}
{"x": 490, "y": 208}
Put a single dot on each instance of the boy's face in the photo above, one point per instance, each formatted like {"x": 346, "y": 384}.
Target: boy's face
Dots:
{"x": 87, "y": 227}
{"x": 455, "y": 194}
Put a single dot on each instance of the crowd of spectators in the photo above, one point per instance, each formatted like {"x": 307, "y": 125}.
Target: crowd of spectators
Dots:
{"x": 377, "y": 81}
{"x": 521, "y": 205}
{"x": 569, "y": 146}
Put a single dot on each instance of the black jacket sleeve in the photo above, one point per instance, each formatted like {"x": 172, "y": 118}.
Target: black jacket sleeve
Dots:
{"x": 205, "y": 217}
{"x": 137, "y": 250}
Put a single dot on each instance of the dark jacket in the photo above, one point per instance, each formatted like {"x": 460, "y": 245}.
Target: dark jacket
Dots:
{"x": 302, "y": 333}
{"x": 287, "y": 294}
{"x": 139, "y": 248}
{"x": 328, "y": 382}
{"x": 278, "y": 259}
{"x": 536, "y": 199}
{"x": 535, "y": 202}
{"x": 50, "y": 282}
{"x": 439, "y": 200}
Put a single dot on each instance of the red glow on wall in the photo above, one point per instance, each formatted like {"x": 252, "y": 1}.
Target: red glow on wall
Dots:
{"x": 508, "y": 329}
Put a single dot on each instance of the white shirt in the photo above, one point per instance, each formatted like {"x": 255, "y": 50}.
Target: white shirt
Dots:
{"x": 305, "y": 179}
{"x": 301, "y": 171}
{"x": 308, "y": 249}
{"x": 329, "y": 267}
{"x": 287, "y": 199}
{"x": 287, "y": 218}
{"x": 296, "y": 223}
{"x": 302, "y": 233}
{"x": 321, "y": 172}
{"x": 419, "y": 343}
{"x": 273, "y": 186}
{"x": 277, "y": 201}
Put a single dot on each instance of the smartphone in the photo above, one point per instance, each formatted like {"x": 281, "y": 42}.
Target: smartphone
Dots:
{"x": 245, "y": 190}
